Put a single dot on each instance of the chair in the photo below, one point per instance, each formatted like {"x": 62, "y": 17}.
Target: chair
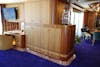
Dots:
{"x": 5, "y": 42}
{"x": 85, "y": 34}
{"x": 96, "y": 36}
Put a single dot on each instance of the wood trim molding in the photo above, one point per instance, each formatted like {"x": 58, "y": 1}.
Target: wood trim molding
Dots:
{"x": 53, "y": 7}
{"x": 68, "y": 40}
{"x": 9, "y": 26}
{"x": 3, "y": 21}
{"x": 78, "y": 5}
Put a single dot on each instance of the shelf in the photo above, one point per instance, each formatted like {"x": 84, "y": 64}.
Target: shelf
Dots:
{"x": 17, "y": 20}
{"x": 14, "y": 32}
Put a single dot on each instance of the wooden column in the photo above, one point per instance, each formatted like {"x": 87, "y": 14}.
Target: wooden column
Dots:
{"x": 3, "y": 21}
{"x": 57, "y": 7}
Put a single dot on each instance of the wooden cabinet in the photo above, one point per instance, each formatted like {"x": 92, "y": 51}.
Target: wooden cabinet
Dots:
{"x": 56, "y": 41}
{"x": 90, "y": 19}
{"x": 20, "y": 41}
{"x": 23, "y": 41}
{"x": 57, "y": 9}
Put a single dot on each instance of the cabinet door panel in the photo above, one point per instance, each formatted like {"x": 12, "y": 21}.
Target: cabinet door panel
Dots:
{"x": 44, "y": 38}
{"x": 57, "y": 40}
{"x": 51, "y": 39}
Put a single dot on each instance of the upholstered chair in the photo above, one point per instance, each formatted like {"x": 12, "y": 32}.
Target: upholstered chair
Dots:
{"x": 5, "y": 42}
{"x": 96, "y": 36}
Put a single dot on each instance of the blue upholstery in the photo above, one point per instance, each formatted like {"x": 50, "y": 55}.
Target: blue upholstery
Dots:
{"x": 96, "y": 35}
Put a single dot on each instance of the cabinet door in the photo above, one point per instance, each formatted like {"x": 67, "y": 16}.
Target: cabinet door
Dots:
{"x": 57, "y": 36}
{"x": 18, "y": 40}
{"x": 54, "y": 43}
{"x": 54, "y": 39}
{"x": 51, "y": 45}
{"x": 44, "y": 40}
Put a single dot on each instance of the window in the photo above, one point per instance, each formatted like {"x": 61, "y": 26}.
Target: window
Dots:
{"x": 77, "y": 19}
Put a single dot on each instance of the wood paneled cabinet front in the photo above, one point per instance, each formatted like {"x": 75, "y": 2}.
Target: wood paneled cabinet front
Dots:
{"x": 20, "y": 41}
{"x": 56, "y": 41}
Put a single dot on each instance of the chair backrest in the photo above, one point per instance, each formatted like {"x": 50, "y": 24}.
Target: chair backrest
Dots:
{"x": 83, "y": 30}
{"x": 96, "y": 35}
{"x": 5, "y": 42}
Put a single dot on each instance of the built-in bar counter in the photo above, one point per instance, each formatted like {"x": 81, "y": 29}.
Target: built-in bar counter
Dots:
{"x": 55, "y": 41}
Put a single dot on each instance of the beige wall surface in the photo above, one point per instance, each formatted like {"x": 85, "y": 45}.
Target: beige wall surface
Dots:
{"x": 37, "y": 11}
{"x": 30, "y": 12}
{"x": 33, "y": 11}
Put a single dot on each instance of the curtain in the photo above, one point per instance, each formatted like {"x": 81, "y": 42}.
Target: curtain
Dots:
{"x": 77, "y": 19}
{"x": 0, "y": 22}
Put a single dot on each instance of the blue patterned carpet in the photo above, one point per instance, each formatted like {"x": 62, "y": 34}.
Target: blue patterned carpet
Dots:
{"x": 87, "y": 56}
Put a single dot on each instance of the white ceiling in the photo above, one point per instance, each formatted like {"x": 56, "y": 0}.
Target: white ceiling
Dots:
{"x": 85, "y": 3}
{"x": 10, "y": 1}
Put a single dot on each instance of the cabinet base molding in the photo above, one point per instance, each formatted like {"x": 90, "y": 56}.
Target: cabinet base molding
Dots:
{"x": 55, "y": 42}
{"x": 52, "y": 54}
{"x": 58, "y": 61}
